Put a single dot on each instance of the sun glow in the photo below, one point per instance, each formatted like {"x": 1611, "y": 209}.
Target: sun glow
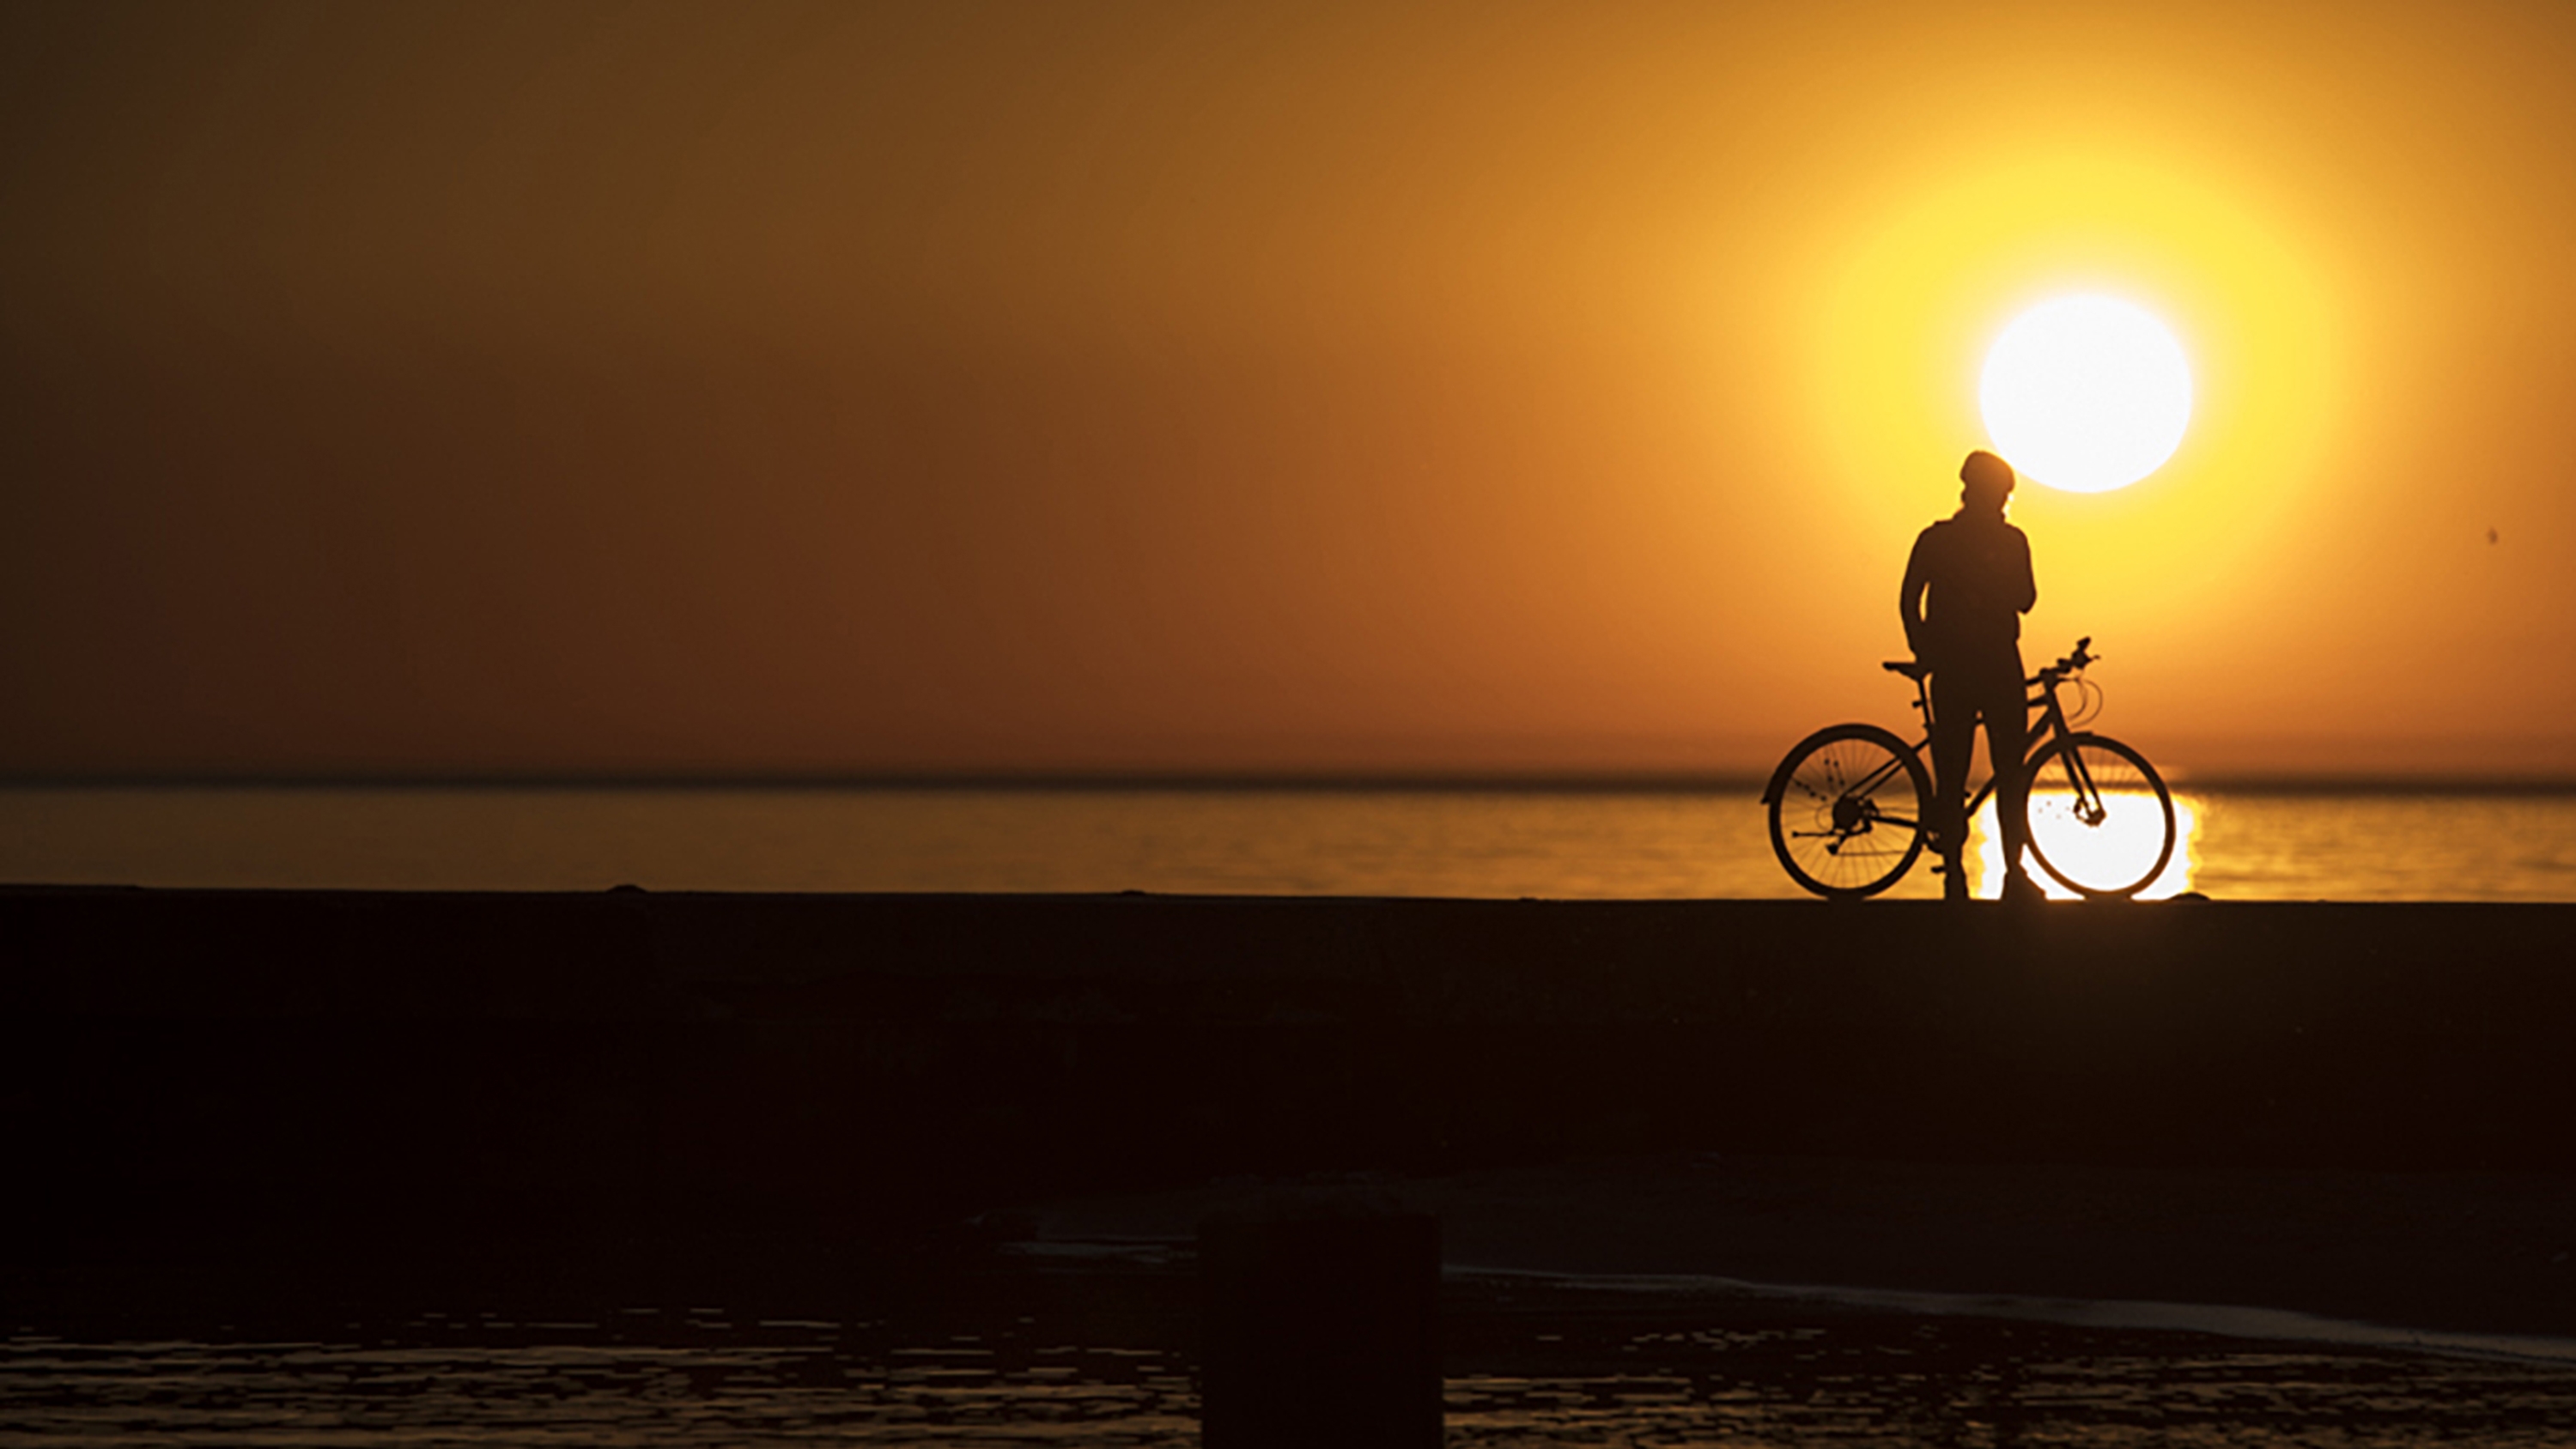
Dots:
{"x": 2086, "y": 393}
{"x": 2128, "y": 835}
{"x": 1911, "y": 295}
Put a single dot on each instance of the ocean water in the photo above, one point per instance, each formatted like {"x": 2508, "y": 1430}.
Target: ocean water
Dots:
{"x": 1564, "y": 843}
{"x": 1528, "y": 1369}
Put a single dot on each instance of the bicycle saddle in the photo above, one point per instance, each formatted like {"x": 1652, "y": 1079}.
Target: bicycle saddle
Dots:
{"x": 1911, "y": 669}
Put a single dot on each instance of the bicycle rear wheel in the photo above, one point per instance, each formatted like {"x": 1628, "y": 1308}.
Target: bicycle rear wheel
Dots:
{"x": 2101, "y": 820}
{"x": 1847, "y": 810}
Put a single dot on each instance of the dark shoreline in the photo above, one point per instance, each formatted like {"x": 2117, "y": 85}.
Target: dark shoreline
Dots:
{"x": 207, "y": 1078}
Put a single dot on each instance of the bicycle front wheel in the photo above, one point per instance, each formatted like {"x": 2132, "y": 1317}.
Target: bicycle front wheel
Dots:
{"x": 1847, "y": 810}
{"x": 2101, "y": 820}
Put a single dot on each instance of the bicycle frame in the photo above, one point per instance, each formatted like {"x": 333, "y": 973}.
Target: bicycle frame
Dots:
{"x": 2053, "y": 726}
{"x": 1853, "y": 806}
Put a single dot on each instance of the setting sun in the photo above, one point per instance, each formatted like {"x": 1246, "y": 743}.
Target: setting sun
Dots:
{"x": 2086, "y": 393}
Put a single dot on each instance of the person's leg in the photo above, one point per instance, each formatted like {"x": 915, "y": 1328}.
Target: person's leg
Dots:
{"x": 2007, "y": 716}
{"x": 1954, "y": 738}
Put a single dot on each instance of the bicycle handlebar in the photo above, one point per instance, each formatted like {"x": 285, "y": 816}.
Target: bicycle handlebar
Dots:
{"x": 2073, "y": 663}
{"x": 1916, "y": 669}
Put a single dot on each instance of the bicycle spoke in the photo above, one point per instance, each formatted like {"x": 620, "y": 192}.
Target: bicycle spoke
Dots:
{"x": 1832, "y": 824}
{"x": 2100, "y": 821}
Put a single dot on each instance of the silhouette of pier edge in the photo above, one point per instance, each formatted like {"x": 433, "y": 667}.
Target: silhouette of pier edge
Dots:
{"x": 192, "y": 1063}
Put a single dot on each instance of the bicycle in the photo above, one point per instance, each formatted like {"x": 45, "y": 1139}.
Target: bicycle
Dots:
{"x": 1850, "y": 806}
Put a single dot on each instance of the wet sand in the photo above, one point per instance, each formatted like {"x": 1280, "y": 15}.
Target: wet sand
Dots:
{"x": 2470, "y": 1261}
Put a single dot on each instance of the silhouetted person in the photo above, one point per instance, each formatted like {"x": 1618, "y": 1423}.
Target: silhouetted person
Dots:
{"x": 1966, "y": 588}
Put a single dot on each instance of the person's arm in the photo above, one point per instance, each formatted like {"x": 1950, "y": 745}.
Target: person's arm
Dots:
{"x": 2028, "y": 593}
{"x": 1909, "y": 597}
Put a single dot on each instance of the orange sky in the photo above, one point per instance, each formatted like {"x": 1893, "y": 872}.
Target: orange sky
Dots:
{"x": 818, "y": 389}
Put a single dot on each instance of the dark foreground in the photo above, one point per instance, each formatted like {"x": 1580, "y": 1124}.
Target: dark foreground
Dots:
{"x": 810, "y": 1057}
{"x": 319, "y": 1068}
{"x": 927, "y": 1167}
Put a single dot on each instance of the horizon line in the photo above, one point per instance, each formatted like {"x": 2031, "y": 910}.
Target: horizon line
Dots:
{"x": 1319, "y": 781}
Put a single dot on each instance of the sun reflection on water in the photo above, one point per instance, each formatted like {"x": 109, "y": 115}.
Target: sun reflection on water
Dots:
{"x": 2129, "y": 834}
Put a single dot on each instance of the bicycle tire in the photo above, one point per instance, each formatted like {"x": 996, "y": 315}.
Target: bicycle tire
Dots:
{"x": 1845, "y": 786}
{"x": 2118, "y": 854}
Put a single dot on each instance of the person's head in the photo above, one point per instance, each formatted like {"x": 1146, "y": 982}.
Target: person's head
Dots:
{"x": 1988, "y": 481}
